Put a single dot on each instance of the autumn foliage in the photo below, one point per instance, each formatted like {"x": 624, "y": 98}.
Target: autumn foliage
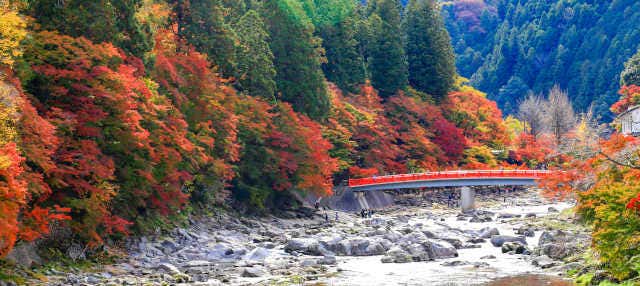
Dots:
{"x": 106, "y": 145}
{"x": 630, "y": 95}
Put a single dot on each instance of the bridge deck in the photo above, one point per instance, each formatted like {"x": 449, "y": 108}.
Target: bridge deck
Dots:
{"x": 449, "y": 179}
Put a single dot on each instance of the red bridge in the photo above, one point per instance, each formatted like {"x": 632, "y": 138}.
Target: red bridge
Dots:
{"x": 449, "y": 179}
{"x": 462, "y": 179}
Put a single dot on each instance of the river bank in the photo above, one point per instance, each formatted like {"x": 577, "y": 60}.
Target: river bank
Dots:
{"x": 420, "y": 241}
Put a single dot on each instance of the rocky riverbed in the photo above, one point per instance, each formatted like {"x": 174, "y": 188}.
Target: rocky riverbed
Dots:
{"x": 420, "y": 241}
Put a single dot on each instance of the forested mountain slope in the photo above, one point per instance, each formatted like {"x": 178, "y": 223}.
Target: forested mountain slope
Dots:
{"x": 118, "y": 117}
{"x": 508, "y": 47}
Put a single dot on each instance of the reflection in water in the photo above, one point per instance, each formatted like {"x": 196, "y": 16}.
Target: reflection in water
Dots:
{"x": 530, "y": 280}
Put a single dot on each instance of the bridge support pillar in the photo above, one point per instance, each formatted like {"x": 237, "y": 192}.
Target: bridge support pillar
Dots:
{"x": 467, "y": 199}
{"x": 362, "y": 200}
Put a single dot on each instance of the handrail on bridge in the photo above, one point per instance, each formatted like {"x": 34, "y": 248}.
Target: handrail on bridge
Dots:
{"x": 536, "y": 174}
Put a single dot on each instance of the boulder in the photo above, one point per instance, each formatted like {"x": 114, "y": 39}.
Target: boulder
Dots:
{"x": 515, "y": 247}
{"x": 526, "y": 231}
{"x": 454, "y": 241}
{"x": 499, "y": 240}
{"x": 306, "y": 246}
{"x": 558, "y": 244}
{"x": 557, "y": 251}
{"x": 255, "y": 271}
{"x": 440, "y": 249}
{"x": 328, "y": 260}
{"x": 508, "y": 215}
{"x": 488, "y": 232}
{"x": 543, "y": 262}
{"x": 396, "y": 255}
{"x": 169, "y": 268}
{"x": 24, "y": 254}
{"x": 330, "y": 242}
{"x": 362, "y": 247}
{"x": 488, "y": 257}
{"x": 257, "y": 254}
{"x": 418, "y": 252}
{"x": 168, "y": 246}
{"x": 224, "y": 250}
{"x": 477, "y": 240}
{"x": 392, "y": 236}
{"x": 310, "y": 262}
{"x": 552, "y": 210}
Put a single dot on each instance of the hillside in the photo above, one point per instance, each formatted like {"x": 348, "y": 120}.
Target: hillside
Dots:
{"x": 508, "y": 47}
{"x": 128, "y": 123}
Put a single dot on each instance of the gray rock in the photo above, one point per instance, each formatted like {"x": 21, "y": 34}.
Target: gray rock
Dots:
{"x": 366, "y": 247}
{"x": 529, "y": 215}
{"x": 220, "y": 251}
{"x": 440, "y": 249}
{"x": 455, "y": 263}
{"x": 558, "y": 244}
{"x": 481, "y": 218}
{"x": 396, "y": 255}
{"x": 255, "y": 271}
{"x": 454, "y": 241}
{"x": 197, "y": 263}
{"x": 508, "y": 215}
{"x": 169, "y": 268}
{"x": 515, "y": 247}
{"x": 499, "y": 240}
{"x": 480, "y": 264}
{"x": 488, "y": 257}
{"x": 393, "y": 236}
{"x": 310, "y": 262}
{"x": 24, "y": 254}
{"x": 488, "y": 232}
{"x": 418, "y": 252}
{"x": 552, "y": 210}
{"x": 526, "y": 231}
{"x": 330, "y": 242}
{"x": 477, "y": 240}
{"x": 168, "y": 246}
{"x": 93, "y": 280}
{"x": 328, "y": 260}
{"x": 306, "y": 246}
{"x": 257, "y": 254}
{"x": 543, "y": 262}
{"x": 557, "y": 251}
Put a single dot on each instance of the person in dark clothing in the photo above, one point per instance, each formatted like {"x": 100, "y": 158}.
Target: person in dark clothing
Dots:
{"x": 326, "y": 217}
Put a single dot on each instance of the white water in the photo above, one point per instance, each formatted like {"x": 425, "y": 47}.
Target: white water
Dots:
{"x": 370, "y": 271}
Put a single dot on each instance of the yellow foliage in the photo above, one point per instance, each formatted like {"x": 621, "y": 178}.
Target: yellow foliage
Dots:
{"x": 8, "y": 113}
{"x": 153, "y": 13}
{"x": 514, "y": 126}
{"x": 462, "y": 84}
{"x": 12, "y": 32}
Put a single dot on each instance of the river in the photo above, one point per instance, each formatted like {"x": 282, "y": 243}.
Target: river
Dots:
{"x": 505, "y": 269}
{"x": 424, "y": 244}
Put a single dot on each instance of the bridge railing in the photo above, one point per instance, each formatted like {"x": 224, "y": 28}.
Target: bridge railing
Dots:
{"x": 443, "y": 175}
